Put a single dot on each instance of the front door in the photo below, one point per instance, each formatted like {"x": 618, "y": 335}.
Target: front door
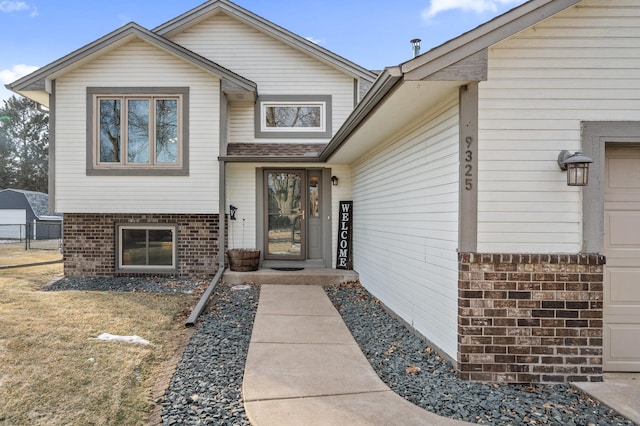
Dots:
{"x": 294, "y": 208}
{"x": 622, "y": 251}
{"x": 286, "y": 205}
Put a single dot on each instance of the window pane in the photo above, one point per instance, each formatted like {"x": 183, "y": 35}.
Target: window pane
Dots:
{"x": 166, "y": 131}
{"x": 138, "y": 131}
{"x": 110, "y": 144}
{"x": 160, "y": 247}
{"x": 293, "y": 116}
{"x": 314, "y": 198}
{"x": 134, "y": 247}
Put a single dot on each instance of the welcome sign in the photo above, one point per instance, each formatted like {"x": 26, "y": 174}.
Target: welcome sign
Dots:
{"x": 345, "y": 225}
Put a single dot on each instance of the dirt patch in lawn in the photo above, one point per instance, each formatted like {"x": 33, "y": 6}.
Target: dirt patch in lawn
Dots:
{"x": 53, "y": 370}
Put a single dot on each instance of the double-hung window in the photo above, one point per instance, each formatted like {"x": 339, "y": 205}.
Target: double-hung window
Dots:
{"x": 138, "y": 131}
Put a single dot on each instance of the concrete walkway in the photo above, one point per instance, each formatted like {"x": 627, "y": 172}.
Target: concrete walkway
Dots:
{"x": 304, "y": 368}
{"x": 618, "y": 391}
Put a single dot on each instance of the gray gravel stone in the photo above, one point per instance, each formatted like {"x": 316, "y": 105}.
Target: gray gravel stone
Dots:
{"x": 432, "y": 382}
{"x": 206, "y": 388}
{"x": 130, "y": 284}
{"x": 212, "y": 367}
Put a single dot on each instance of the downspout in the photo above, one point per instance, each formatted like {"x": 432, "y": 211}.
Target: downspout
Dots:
{"x": 222, "y": 219}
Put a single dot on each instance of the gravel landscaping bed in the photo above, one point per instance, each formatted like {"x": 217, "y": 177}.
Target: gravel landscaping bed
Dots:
{"x": 417, "y": 373}
{"x": 130, "y": 284}
{"x": 206, "y": 387}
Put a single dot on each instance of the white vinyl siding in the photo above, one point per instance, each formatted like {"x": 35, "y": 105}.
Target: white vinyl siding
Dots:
{"x": 137, "y": 64}
{"x": 241, "y": 193}
{"x": 405, "y": 201}
{"x": 277, "y": 69}
{"x": 581, "y": 65}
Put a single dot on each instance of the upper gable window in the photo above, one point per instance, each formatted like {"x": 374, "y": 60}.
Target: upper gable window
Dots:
{"x": 138, "y": 133}
{"x": 293, "y": 116}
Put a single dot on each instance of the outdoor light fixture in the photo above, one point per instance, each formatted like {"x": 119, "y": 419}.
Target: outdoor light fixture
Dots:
{"x": 577, "y": 167}
{"x": 232, "y": 212}
{"x": 334, "y": 180}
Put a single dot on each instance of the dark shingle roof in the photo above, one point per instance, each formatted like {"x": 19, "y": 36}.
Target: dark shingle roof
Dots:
{"x": 38, "y": 201}
{"x": 289, "y": 150}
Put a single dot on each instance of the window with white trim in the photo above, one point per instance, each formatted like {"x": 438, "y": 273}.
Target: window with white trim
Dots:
{"x": 291, "y": 116}
{"x": 146, "y": 248}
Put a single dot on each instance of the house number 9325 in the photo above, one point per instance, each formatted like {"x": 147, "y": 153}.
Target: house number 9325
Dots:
{"x": 468, "y": 165}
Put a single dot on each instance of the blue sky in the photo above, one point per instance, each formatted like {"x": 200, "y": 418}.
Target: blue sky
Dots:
{"x": 374, "y": 34}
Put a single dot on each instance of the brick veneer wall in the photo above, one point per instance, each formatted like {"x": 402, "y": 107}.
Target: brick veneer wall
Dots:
{"x": 89, "y": 242}
{"x": 530, "y": 318}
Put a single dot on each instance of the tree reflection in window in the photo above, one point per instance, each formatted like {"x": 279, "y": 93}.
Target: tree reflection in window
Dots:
{"x": 166, "y": 131}
{"x": 138, "y": 131}
{"x": 110, "y": 144}
{"x": 293, "y": 116}
{"x": 126, "y": 126}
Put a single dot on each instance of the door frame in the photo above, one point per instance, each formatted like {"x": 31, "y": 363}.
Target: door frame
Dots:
{"x": 596, "y": 136}
{"x": 304, "y": 215}
{"x": 325, "y": 211}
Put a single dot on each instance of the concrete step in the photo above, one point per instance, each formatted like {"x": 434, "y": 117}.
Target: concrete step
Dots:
{"x": 307, "y": 276}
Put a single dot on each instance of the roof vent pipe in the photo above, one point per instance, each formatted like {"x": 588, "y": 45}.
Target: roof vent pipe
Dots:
{"x": 415, "y": 43}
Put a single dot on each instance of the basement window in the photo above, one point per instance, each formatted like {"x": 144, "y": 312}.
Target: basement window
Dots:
{"x": 147, "y": 248}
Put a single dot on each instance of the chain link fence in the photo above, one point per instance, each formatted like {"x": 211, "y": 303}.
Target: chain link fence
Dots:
{"x": 37, "y": 235}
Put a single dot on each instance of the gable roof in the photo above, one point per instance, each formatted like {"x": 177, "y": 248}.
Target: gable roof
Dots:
{"x": 212, "y": 7}
{"x": 454, "y": 63}
{"x": 35, "y": 85}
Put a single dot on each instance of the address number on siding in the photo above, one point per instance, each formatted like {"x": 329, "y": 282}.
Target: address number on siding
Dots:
{"x": 468, "y": 166}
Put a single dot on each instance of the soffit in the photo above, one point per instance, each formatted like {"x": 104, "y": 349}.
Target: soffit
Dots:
{"x": 394, "y": 116}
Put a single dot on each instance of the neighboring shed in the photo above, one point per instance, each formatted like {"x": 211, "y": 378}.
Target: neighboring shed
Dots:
{"x": 20, "y": 210}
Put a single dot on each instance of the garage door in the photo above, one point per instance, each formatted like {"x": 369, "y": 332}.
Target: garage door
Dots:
{"x": 12, "y": 223}
{"x": 622, "y": 249}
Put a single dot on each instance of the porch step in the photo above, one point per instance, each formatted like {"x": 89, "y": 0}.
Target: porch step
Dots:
{"x": 307, "y": 276}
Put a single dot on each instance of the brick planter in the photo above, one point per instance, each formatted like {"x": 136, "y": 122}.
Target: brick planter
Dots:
{"x": 530, "y": 318}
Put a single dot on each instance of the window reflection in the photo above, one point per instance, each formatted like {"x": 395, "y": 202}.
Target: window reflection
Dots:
{"x": 314, "y": 197}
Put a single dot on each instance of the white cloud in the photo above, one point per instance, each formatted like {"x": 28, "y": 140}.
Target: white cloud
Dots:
{"x": 11, "y": 75}
{"x": 17, "y": 71}
{"x": 476, "y": 6}
{"x": 10, "y": 6}
{"x": 315, "y": 40}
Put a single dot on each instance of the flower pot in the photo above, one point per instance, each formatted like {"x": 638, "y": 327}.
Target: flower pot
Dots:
{"x": 243, "y": 260}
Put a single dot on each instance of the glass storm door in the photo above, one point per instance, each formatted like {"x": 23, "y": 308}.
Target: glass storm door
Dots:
{"x": 285, "y": 198}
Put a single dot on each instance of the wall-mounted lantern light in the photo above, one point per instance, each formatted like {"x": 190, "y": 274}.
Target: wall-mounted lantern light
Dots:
{"x": 232, "y": 212}
{"x": 577, "y": 167}
{"x": 334, "y": 180}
